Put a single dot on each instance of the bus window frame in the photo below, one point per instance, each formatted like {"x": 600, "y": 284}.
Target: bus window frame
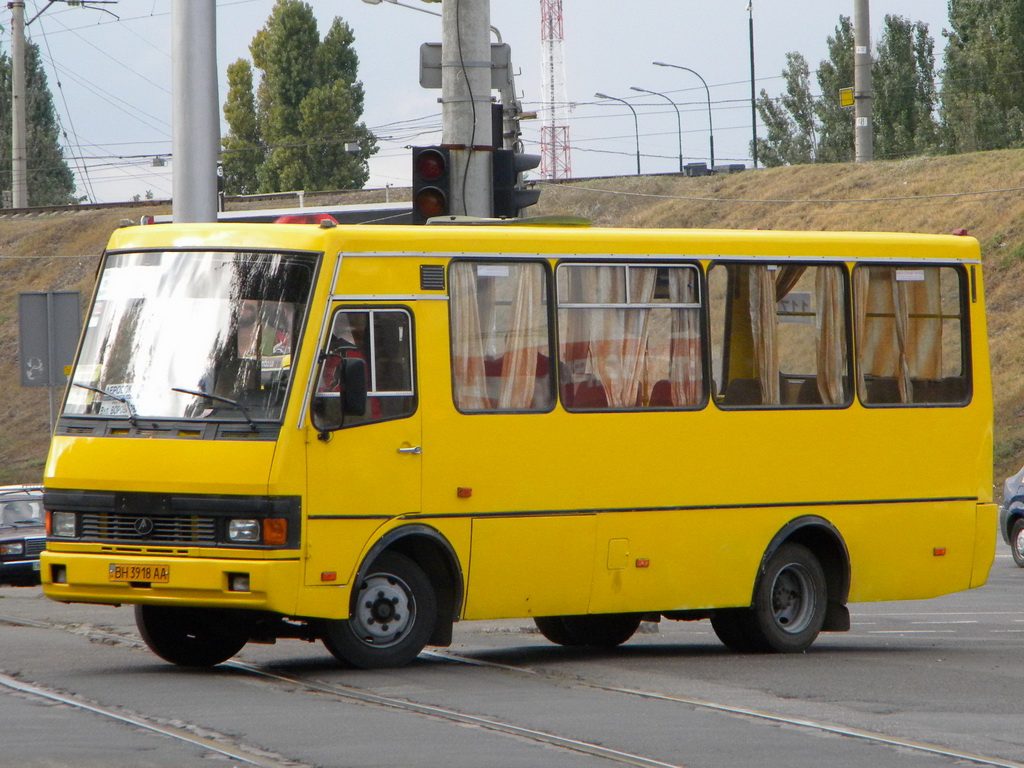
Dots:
{"x": 496, "y": 259}
{"x": 694, "y": 262}
{"x": 967, "y": 296}
{"x": 323, "y": 354}
{"x": 850, "y": 378}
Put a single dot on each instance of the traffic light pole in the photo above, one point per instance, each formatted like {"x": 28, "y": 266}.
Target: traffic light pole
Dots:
{"x": 466, "y": 103}
{"x": 19, "y": 159}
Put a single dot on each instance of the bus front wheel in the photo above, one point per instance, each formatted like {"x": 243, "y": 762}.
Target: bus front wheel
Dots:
{"x": 393, "y": 613}
{"x": 192, "y": 637}
{"x": 788, "y": 609}
{"x": 596, "y": 630}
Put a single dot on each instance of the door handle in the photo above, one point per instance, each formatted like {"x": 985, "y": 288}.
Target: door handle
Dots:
{"x": 417, "y": 450}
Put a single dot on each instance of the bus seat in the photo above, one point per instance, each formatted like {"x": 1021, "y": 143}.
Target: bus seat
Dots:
{"x": 661, "y": 394}
{"x": 809, "y": 394}
{"x": 589, "y": 394}
{"x": 742, "y": 392}
{"x": 952, "y": 389}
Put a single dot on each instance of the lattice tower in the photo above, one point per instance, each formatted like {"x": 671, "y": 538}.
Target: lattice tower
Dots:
{"x": 554, "y": 132}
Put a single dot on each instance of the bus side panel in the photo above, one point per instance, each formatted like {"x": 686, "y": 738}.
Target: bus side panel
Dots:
{"x": 678, "y": 559}
{"x": 530, "y": 566}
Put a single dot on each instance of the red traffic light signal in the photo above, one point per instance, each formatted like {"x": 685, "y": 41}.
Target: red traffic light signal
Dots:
{"x": 431, "y": 188}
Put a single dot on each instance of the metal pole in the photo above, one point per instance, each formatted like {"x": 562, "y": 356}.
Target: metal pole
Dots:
{"x": 466, "y": 103}
{"x": 753, "y": 91}
{"x": 679, "y": 120}
{"x": 19, "y": 159}
{"x": 636, "y": 124}
{"x": 195, "y": 115}
{"x": 711, "y": 127}
{"x": 862, "y": 86}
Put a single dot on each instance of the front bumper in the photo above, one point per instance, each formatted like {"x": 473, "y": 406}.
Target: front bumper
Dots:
{"x": 198, "y": 582}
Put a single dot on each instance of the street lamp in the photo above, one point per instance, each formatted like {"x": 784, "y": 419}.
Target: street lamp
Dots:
{"x": 711, "y": 128}
{"x": 636, "y": 124}
{"x": 679, "y": 120}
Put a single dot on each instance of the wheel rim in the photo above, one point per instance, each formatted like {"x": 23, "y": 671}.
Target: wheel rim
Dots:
{"x": 384, "y": 611}
{"x": 793, "y": 599}
{"x": 1018, "y": 544}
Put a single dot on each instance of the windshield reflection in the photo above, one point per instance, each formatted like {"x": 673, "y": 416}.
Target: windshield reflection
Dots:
{"x": 193, "y": 335}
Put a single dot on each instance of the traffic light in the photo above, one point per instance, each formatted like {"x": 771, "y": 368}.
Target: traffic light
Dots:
{"x": 431, "y": 184}
{"x": 509, "y": 196}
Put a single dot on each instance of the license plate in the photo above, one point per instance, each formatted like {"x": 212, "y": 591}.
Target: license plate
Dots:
{"x": 155, "y": 574}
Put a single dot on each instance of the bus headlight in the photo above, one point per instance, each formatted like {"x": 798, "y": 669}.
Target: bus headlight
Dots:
{"x": 12, "y": 548}
{"x": 244, "y": 531}
{"x": 62, "y": 524}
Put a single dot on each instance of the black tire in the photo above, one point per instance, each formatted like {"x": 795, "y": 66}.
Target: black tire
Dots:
{"x": 553, "y": 628}
{"x": 192, "y": 637}
{"x": 1017, "y": 542}
{"x": 392, "y": 616}
{"x": 788, "y": 609}
{"x": 605, "y": 630}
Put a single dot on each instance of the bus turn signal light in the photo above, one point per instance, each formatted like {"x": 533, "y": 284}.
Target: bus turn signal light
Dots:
{"x": 275, "y": 531}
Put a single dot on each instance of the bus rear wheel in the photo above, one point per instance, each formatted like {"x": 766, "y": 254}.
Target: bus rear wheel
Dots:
{"x": 1017, "y": 542}
{"x": 788, "y": 609}
{"x": 192, "y": 637}
{"x": 597, "y": 630}
{"x": 392, "y": 616}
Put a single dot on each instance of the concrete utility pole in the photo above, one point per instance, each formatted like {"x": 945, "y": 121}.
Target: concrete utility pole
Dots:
{"x": 195, "y": 128}
{"x": 862, "y": 87}
{"x": 19, "y": 144}
{"x": 466, "y": 103}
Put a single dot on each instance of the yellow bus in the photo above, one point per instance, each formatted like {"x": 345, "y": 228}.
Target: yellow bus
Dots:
{"x": 363, "y": 434}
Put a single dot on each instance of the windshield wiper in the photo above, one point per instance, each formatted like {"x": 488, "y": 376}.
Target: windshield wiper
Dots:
{"x": 119, "y": 398}
{"x": 219, "y": 399}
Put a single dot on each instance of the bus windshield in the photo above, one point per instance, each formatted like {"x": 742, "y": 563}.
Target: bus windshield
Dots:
{"x": 192, "y": 335}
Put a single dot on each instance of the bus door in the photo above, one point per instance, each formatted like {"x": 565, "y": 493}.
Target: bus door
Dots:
{"x": 363, "y": 459}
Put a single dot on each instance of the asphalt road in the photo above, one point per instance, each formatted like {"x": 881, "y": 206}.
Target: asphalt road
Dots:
{"x": 916, "y": 684}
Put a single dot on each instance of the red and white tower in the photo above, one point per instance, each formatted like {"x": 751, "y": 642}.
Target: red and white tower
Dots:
{"x": 554, "y": 131}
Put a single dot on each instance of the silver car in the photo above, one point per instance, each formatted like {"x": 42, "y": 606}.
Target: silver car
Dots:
{"x": 22, "y": 533}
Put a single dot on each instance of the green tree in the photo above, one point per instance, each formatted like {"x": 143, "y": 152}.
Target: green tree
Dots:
{"x": 835, "y": 142}
{"x": 904, "y": 90}
{"x": 244, "y": 152}
{"x": 789, "y": 120}
{"x": 50, "y": 180}
{"x": 982, "y": 100}
{"x": 302, "y": 129}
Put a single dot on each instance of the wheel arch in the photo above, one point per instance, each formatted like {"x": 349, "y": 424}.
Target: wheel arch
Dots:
{"x": 432, "y": 552}
{"x": 827, "y": 544}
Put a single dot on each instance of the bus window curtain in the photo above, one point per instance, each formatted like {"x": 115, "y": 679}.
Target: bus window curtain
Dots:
{"x": 470, "y": 378}
{"x": 899, "y": 326}
{"x": 618, "y": 337}
{"x": 525, "y": 340}
{"x": 831, "y": 341}
{"x": 764, "y": 328}
{"x": 685, "y": 373}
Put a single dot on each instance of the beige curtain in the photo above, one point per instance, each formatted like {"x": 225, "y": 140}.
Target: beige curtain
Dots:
{"x": 685, "y": 373}
{"x": 831, "y": 336}
{"x": 764, "y": 328}
{"x": 618, "y": 337}
{"x": 526, "y": 339}
{"x": 470, "y": 379}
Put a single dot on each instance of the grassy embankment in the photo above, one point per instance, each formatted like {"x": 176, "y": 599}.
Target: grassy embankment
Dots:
{"x": 61, "y": 253}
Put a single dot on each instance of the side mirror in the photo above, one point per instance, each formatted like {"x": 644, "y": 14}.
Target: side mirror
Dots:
{"x": 342, "y": 392}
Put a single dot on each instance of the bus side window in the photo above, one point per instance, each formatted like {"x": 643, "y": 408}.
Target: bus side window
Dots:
{"x": 779, "y": 335}
{"x": 910, "y": 333}
{"x": 500, "y": 336}
{"x": 630, "y": 336}
{"x": 382, "y": 338}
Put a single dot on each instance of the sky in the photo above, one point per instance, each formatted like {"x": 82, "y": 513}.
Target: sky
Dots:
{"x": 109, "y": 70}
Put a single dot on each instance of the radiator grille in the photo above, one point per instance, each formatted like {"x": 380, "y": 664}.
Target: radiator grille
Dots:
{"x": 34, "y": 546}
{"x": 119, "y": 526}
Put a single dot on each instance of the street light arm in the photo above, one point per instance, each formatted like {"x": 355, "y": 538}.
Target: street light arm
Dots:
{"x": 711, "y": 127}
{"x": 636, "y": 123}
{"x": 679, "y": 119}
{"x": 494, "y": 30}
